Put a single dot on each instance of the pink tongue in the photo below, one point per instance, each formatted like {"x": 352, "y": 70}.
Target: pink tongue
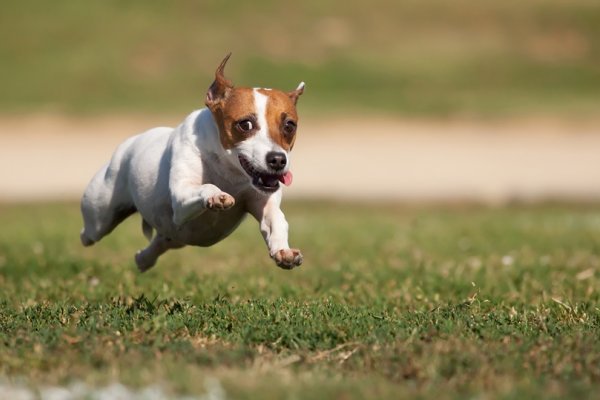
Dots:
{"x": 286, "y": 178}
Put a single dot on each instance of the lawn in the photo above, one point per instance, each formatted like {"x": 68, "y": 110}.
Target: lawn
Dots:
{"x": 392, "y": 302}
{"x": 410, "y": 57}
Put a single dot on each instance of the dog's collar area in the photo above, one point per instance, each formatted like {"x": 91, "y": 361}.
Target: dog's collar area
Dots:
{"x": 264, "y": 181}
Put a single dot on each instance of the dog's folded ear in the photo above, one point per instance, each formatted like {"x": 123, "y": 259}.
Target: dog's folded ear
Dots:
{"x": 220, "y": 88}
{"x": 294, "y": 94}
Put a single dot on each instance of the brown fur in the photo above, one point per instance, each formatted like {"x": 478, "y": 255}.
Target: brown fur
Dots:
{"x": 238, "y": 105}
{"x": 229, "y": 105}
{"x": 279, "y": 107}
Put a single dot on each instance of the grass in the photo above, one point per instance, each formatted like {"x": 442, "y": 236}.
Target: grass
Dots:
{"x": 424, "y": 58}
{"x": 392, "y": 302}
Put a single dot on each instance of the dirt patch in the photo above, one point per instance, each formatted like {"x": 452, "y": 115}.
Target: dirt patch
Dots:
{"x": 53, "y": 157}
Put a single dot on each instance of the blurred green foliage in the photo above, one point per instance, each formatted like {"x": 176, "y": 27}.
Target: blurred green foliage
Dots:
{"x": 435, "y": 57}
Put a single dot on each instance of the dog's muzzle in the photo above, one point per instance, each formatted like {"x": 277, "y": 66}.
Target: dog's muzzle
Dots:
{"x": 265, "y": 181}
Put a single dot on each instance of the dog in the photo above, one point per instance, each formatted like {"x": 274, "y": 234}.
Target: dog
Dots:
{"x": 194, "y": 184}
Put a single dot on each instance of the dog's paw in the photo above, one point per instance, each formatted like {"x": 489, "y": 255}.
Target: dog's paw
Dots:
{"x": 219, "y": 202}
{"x": 288, "y": 258}
{"x": 85, "y": 240}
{"x": 143, "y": 261}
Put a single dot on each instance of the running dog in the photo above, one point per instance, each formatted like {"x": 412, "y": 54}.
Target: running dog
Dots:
{"x": 194, "y": 184}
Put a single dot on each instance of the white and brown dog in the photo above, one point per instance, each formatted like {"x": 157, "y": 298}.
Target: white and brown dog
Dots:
{"x": 195, "y": 183}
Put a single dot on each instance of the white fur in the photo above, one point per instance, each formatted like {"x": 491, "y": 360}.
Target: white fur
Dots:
{"x": 188, "y": 188}
{"x": 256, "y": 147}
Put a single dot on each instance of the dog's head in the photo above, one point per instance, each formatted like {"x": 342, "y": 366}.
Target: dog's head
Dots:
{"x": 257, "y": 129}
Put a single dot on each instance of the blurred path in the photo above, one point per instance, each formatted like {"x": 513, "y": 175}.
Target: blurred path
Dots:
{"x": 53, "y": 157}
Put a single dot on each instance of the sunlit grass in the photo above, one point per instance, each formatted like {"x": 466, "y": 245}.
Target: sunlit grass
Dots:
{"x": 444, "y": 302}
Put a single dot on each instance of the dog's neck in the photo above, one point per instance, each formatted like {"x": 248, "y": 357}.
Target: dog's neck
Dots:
{"x": 206, "y": 132}
{"x": 207, "y": 141}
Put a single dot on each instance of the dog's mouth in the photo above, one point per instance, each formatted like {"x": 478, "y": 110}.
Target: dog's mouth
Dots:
{"x": 263, "y": 180}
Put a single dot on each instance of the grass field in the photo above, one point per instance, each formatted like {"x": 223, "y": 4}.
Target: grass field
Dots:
{"x": 411, "y": 57}
{"x": 392, "y": 302}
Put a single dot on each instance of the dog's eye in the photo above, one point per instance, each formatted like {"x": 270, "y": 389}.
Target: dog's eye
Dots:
{"x": 245, "y": 125}
{"x": 289, "y": 127}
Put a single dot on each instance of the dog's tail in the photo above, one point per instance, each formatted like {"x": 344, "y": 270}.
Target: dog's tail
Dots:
{"x": 147, "y": 229}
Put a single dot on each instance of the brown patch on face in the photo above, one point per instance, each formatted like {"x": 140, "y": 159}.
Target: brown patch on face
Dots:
{"x": 238, "y": 105}
{"x": 234, "y": 111}
{"x": 280, "y": 108}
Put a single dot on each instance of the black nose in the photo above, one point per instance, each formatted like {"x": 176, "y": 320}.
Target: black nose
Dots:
{"x": 276, "y": 160}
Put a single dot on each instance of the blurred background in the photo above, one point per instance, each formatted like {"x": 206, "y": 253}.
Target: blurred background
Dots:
{"x": 436, "y": 100}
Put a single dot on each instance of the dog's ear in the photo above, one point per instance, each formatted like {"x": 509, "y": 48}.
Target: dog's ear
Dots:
{"x": 296, "y": 93}
{"x": 220, "y": 88}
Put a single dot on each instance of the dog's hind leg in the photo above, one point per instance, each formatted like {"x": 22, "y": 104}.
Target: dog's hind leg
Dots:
{"x": 145, "y": 259}
{"x": 147, "y": 229}
{"x": 100, "y": 222}
{"x": 106, "y": 201}
{"x": 103, "y": 207}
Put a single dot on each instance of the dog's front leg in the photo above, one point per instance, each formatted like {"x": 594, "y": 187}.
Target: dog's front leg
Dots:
{"x": 191, "y": 202}
{"x": 274, "y": 229}
{"x": 190, "y": 197}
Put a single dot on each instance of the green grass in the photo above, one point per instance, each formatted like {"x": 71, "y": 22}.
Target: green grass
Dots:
{"x": 391, "y": 302}
{"x": 411, "y": 57}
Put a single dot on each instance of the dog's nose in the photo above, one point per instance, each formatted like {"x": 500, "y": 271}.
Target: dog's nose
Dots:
{"x": 276, "y": 160}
